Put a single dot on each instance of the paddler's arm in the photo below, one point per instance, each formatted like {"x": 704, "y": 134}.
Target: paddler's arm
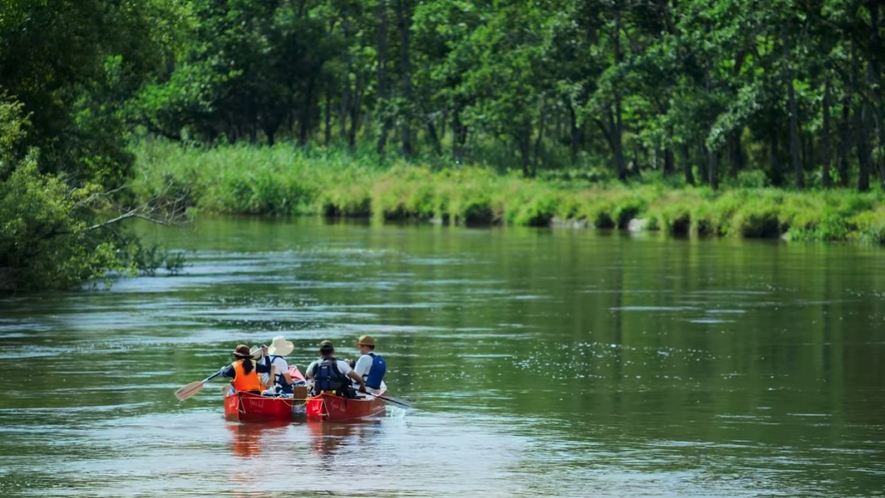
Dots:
{"x": 228, "y": 372}
{"x": 358, "y": 379}
{"x": 308, "y": 374}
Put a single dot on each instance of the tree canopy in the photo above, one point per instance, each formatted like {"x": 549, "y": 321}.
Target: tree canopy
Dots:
{"x": 708, "y": 88}
{"x": 698, "y": 91}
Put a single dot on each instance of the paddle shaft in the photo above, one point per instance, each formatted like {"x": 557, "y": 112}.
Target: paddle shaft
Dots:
{"x": 393, "y": 401}
{"x": 216, "y": 374}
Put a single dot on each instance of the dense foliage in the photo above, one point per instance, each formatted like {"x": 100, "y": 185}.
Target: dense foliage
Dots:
{"x": 701, "y": 92}
{"x": 702, "y": 88}
{"x": 278, "y": 180}
{"x": 66, "y": 70}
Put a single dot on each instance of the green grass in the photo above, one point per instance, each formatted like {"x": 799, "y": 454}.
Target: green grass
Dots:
{"x": 284, "y": 180}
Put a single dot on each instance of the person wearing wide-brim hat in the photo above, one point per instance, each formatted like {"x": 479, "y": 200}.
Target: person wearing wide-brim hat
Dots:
{"x": 244, "y": 370}
{"x": 278, "y": 367}
{"x": 370, "y": 366}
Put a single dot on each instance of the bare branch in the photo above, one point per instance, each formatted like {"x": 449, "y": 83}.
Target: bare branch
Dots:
{"x": 131, "y": 214}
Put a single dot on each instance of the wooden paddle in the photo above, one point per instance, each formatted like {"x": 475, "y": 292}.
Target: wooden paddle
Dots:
{"x": 194, "y": 387}
{"x": 393, "y": 401}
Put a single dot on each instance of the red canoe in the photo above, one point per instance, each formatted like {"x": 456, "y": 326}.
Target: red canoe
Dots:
{"x": 332, "y": 408}
{"x": 244, "y": 406}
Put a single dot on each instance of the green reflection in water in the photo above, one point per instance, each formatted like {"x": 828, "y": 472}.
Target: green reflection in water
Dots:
{"x": 620, "y": 365}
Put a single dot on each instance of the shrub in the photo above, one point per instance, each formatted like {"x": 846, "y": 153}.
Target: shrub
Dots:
{"x": 756, "y": 220}
{"x": 283, "y": 179}
{"x": 539, "y": 211}
{"x": 870, "y": 226}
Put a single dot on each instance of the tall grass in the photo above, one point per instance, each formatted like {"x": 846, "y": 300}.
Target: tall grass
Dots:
{"x": 285, "y": 180}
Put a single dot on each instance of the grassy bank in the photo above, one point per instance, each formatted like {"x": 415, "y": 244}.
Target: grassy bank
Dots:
{"x": 284, "y": 181}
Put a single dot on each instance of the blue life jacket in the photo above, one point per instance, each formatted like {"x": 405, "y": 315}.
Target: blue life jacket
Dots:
{"x": 279, "y": 378}
{"x": 326, "y": 377}
{"x": 376, "y": 373}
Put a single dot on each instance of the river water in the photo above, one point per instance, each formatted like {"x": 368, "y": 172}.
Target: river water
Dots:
{"x": 540, "y": 362}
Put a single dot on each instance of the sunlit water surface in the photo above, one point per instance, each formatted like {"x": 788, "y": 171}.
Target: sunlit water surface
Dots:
{"x": 569, "y": 363}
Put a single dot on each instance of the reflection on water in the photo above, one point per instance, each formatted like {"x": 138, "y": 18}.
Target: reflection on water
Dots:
{"x": 541, "y": 363}
{"x": 246, "y": 439}
{"x": 328, "y": 438}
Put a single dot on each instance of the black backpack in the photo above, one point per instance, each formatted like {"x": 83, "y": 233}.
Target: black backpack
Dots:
{"x": 328, "y": 378}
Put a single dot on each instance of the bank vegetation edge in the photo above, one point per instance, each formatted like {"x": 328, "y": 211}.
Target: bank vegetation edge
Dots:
{"x": 283, "y": 181}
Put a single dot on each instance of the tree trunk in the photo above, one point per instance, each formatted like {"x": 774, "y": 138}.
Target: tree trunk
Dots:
{"x": 616, "y": 144}
{"x": 573, "y": 128}
{"x": 459, "y": 132}
{"x": 541, "y": 124}
{"x": 523, "y": 142}
{"x": 844, "y": 142}
{"x": 874, "y": 70}
{"x": 736, "y": 154}
{"x": 615, "y": 127}
{"x": 434, "y": 137}
{"x": 354, "y": 113}
{"x": 383, "y": 91}
{"x": 686, "y": 164}
{"x": 345, "y": 87}
{"x": 776, "y": 175}
{"x": 794, "y": 114}
{"x": 806, "y": 142}
{"x": 825, "y": 142}
{"x": 668, "y": 162}
{"x": 703, "y": 162}
{"x": 405, "y": 24}
{"x": 306, "y": 119}
{"x": 712, "y": 177}
{"x": 342, "y": 111}
{"x": 327, "y": 129}
{"x": 557, "y": 130}
{"x": 861, "y": 118}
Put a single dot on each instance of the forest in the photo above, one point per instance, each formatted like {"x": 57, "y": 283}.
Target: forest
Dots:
{"x": 697, "y": 96}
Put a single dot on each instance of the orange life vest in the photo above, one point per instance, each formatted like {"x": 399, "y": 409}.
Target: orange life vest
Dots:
{"x": 245, "y": 381}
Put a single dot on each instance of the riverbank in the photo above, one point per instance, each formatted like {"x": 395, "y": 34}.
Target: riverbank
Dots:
{"x": 286, "y": 181}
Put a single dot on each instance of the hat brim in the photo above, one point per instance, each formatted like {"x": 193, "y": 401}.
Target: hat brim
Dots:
{"x": 361, "y": 344}
{"x": 284, "y": 350}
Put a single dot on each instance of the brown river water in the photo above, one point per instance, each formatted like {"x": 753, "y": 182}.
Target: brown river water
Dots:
{"x": 540, "y": 362}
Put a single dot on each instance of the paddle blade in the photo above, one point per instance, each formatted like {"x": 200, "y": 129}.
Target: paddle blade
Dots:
{"x": 189, "y": 390}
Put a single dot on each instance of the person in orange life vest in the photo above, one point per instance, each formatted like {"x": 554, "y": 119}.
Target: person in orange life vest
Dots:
{"x": 330, "y": 374}
{"x": 244, "y": 371}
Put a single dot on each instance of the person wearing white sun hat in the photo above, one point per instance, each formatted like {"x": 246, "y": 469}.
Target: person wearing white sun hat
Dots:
{"x": 279, "y": 368}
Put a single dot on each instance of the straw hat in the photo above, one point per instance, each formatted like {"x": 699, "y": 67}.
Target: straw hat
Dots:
{"x": 365, "y": 340}
{"x": 280, "y": 346}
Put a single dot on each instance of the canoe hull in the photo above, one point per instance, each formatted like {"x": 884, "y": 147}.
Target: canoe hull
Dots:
{"x": 245, "y": 407}
{"x": 332, "y": 408}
